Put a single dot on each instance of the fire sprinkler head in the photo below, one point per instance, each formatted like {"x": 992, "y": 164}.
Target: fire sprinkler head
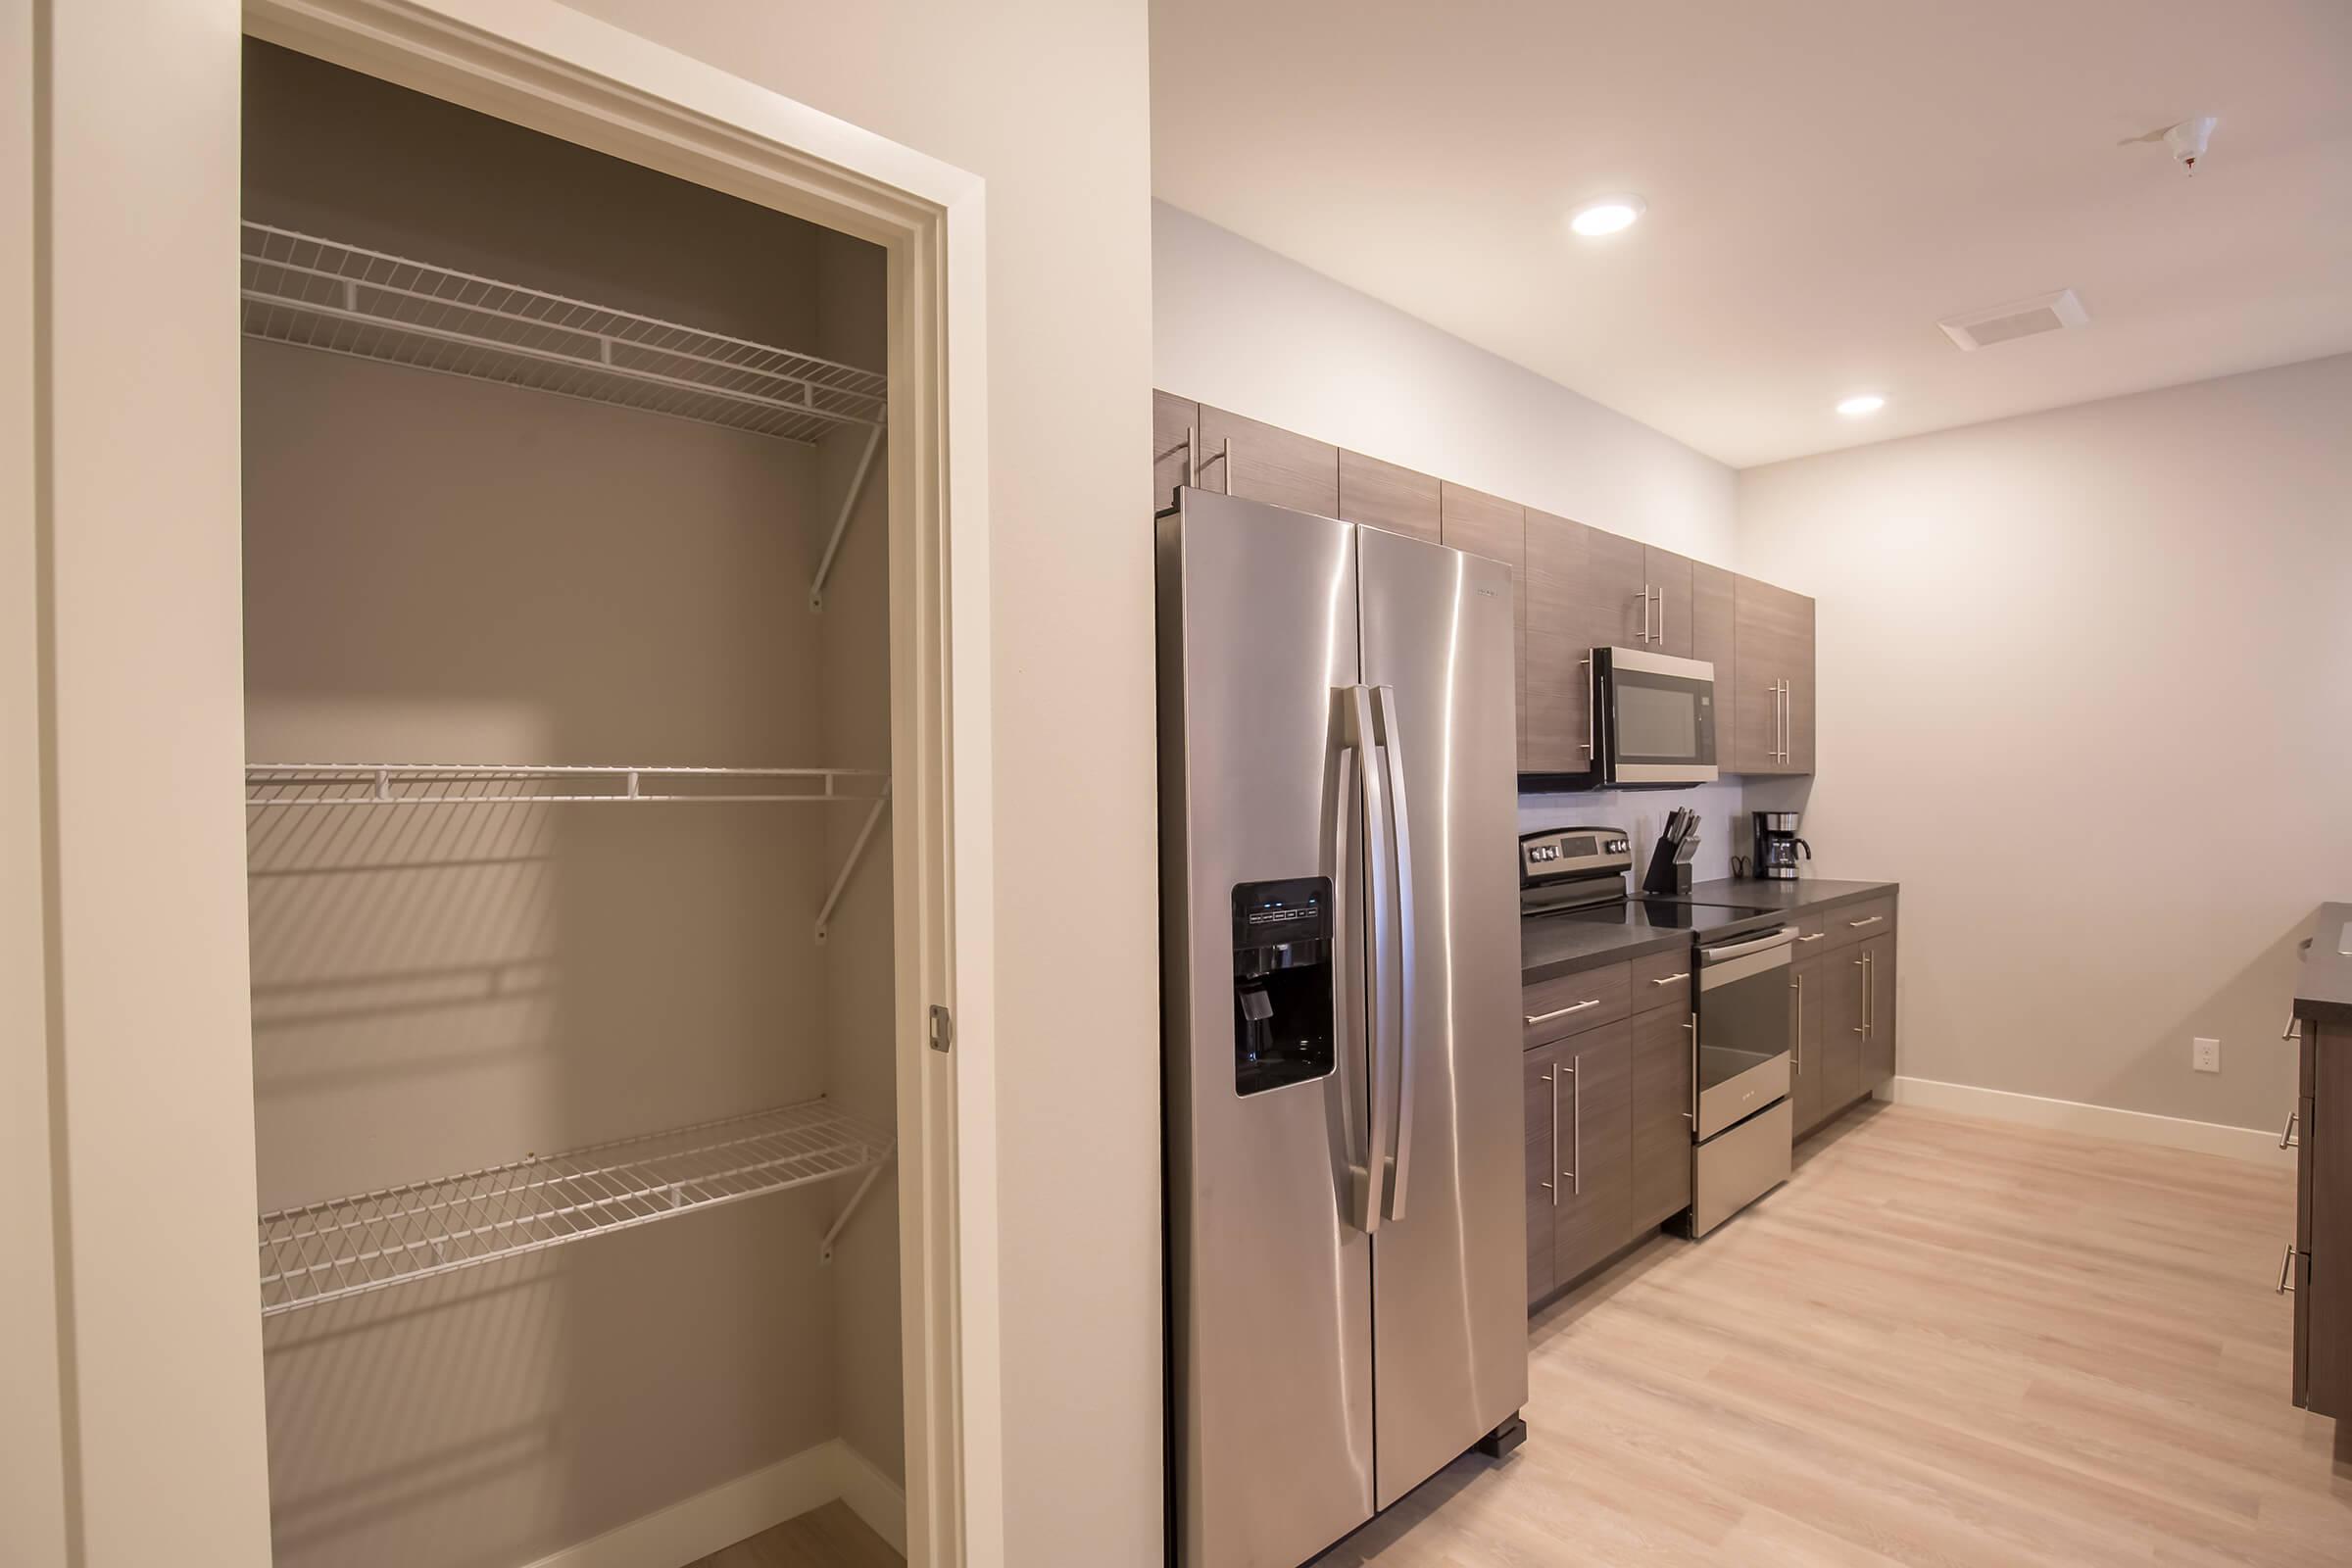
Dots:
{"x": 2187, "y": 140}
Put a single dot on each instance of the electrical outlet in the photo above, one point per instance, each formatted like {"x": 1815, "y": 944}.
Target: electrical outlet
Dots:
{"x": 2205, "y": 1054}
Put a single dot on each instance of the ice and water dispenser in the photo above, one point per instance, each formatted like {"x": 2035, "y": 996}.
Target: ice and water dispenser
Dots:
{"x": 1282, "y": 983}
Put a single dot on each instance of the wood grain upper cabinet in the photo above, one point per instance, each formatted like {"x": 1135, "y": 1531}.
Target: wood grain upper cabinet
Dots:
{"x": 1666, "y": 578}
{"x": 1260, "y": 462}
{"x": 1481, "y": 524}
{"x": 1382, "y": 494}
{"x": 1584, "y": 589}
{"x": 1174, "y": 423}
{"x": 1596, "y": 1149}
{"x": 1772, "y": 695}
{"x": 1712, "y": 638}
{"x": 1661, "y": 1115}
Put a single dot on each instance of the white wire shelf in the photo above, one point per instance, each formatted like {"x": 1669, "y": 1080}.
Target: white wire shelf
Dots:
{"x": 322, "y": 294}
{"x": 350, "y": 1246}
{"x": 274, "y": 785}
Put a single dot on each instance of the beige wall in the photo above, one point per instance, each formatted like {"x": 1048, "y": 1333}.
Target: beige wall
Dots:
{"x": 440, "y": 568}
{"x": 1238, "y": 326}
{"x": 1046, "y": 100}
{"x": 141, "y": 694}
{"x": 33, "y": 1519}
{"x": 2083, "y": 691}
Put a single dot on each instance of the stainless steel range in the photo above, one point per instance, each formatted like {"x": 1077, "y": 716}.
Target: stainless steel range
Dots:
{"x": 1741, "y": 1120}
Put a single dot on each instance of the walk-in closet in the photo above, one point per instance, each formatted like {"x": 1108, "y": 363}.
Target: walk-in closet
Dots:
{"x": 569, "y": 725}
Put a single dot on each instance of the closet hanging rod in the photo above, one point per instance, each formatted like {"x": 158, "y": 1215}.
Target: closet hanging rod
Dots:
{"x": 395, "y": 1234}
{"x": 279, "y": 785}
{"x": 311, "y": 292}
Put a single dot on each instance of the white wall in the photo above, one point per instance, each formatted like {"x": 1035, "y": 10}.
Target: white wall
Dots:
{"x": 2087, "y": 692}
{"x": 1238, "y": 326}
{"x": 141, "y": 597}
{"x": 1234, "y": 325}
{"x": 1049, "y": 101}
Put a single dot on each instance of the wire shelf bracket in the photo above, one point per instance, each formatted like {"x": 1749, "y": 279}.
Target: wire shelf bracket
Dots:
{"x": 824, "y": 1251}
{"x": 393, "y": 1235}
{"x": 873, "y": 819}
{"x": 314, "y": 293}
{"x": 841, "y": 524}
{"x": 271, "y": 786}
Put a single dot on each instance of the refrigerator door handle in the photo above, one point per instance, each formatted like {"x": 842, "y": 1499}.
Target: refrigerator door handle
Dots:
{"x": 1348, "y": 764}
{"x": 1380, "y": 923}
{"x": 1401, "y": 866}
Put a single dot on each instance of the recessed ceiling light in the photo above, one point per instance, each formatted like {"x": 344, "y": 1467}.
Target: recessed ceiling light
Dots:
{"x": 1861, "y": 403}
{"x": 1608, "y": 216}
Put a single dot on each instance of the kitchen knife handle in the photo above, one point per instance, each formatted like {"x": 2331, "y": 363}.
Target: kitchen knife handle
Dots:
{"x": 1400, "y": 865}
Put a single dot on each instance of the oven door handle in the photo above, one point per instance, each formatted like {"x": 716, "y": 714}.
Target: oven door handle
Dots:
{"x": 1784, "y": 937}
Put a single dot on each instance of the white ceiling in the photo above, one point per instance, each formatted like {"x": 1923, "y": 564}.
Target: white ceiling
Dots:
{"x": 1825, "y": 180}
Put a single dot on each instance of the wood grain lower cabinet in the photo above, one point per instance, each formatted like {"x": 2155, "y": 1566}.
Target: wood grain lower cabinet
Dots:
{"x": 1808, "y": 996}
{"x": 1661, "y": 1116}
{"x": 1877, "y": 1066}
{"x": 1264, "y": 463}
{"x": 1595, "y": 1165}
{"x": 2317, "y": 1264}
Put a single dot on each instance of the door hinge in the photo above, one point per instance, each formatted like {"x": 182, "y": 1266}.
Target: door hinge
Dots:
{"x": 942, "y": 1029}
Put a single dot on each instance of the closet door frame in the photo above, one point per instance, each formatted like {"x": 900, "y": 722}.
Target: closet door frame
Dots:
{"x": 542, "y": 65}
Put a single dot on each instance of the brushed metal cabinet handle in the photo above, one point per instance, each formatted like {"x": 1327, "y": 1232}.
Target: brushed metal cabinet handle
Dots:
{"x": 2287, "y": 1138}
{"x": 1661, "y": 615}
{"x": 2286, "y": 1271}
{"x": 2293, "y": 1029}
{"x": 1591, "y": 709}
{"x": 1561, "y": 1012}
{"x": 1692, "y": 1028}
{"x": 1672, "y": 978}
{"x": 1228, "y": 465}
{"x": 1191, "y": 455}
{"x": 1863, "y": 1027}
{"x": 1576, "y": 1128}
{"x": 1799, "y": 983}
{"x": 1815, "y": 937}
{"x": 1856, "y": 925}
{"x": 1553, "y": 1078}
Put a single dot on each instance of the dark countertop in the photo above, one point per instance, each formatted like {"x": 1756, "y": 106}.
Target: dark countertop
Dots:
{"x": 2324, "y": 989}
{"x": 1554, "y": 945}
{"x": 1805, "y": 893}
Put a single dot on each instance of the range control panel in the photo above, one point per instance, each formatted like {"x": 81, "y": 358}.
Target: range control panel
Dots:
{"x": 1558, "y": 853}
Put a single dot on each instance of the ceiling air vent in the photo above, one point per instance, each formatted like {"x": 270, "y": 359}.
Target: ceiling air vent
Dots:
{"x": 2046, "y": 313}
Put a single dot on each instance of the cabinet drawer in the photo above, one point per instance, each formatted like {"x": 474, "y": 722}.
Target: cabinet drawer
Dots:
{"x": 1852, "y": 922}
{"x": 1556, "y": 1008}
{"x": 1663, "y": 980}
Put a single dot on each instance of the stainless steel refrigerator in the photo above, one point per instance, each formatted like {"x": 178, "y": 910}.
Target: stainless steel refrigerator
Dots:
{"x": 1347, "y": 1257}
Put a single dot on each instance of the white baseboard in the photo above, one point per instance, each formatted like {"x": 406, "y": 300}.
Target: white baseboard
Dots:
{"x": 2097, "y": 1121}
{"x": 701, "y": 1524}
{"x": 873, "y": 1498}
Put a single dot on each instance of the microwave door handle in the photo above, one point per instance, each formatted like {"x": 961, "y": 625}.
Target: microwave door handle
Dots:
{"x": 1401, "y": 866}
{"x": 1591, "y": 709}
{"x": 1380, "y": 925}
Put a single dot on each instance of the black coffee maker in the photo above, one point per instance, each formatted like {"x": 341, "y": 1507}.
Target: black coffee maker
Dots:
{"x": 1777, "y": 845}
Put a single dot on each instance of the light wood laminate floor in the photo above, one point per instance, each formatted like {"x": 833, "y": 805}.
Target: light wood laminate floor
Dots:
{"x": 830, "y": 1537}
{"x": 1945, "y": 1342}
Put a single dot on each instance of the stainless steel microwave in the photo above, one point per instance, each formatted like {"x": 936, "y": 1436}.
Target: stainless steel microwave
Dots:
{"x": 1653, "y": 720}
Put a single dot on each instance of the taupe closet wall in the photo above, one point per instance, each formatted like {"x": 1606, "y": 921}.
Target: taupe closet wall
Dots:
{"x": 443, "y": 570}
